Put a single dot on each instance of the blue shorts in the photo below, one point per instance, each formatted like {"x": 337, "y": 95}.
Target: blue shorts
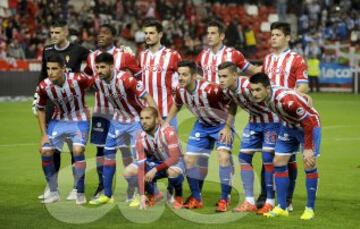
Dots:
{"x": 289, "y": 140}
{"x": 259, "y": 137}
{"x": 151, "y": 163}
{"x": 99, "y": 130}
{"x": 203, "y": 138}
{"x": 122, "y": 135}
{"x": 63, "y": 131}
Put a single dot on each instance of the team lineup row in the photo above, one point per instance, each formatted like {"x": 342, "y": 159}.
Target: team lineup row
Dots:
{"x": 147, "y": 137}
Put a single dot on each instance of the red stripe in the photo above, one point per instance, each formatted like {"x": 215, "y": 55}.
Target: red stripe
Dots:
{"x": 213, "y": 69}
{"x": 312, "y": 175}
{"x": 46, "y": 163}
{"x": 111, "y": 163}
{"x": 246, "y": 167}
{"x": 269, "y": 168}
{"x": 80, "y": 165}
{"x": 76, "y": 103}
{"x": 282, "y": 174}
{"x": 205, "y": 64}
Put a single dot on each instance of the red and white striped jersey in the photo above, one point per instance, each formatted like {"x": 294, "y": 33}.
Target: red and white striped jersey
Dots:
{"x": 209, "y": 61}
{"x": 68, "y": 98}
{"x": 287, "y": 69}
{"x": 159, "y": 75}
{"x": 124, "y": 93}
{"x": 294, "y": 110}
{"x": 122, "y": 61}
{"x": 207, "y": 102}
{"x": 259, "y": 112}
{"x": 163, "y": 146}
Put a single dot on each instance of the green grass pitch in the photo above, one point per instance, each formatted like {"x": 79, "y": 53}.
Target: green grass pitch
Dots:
{"x": 21, "y": 179}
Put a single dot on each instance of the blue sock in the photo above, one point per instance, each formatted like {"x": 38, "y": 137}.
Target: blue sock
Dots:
{"x": 203, "y": 163}
{"x": 247, "y": 173}
{"x": 149, "y": 187}
{"x": 73, "y": 169}
{"x": 193, "y": 176}
{"x": 109, "y": 171}
{"x": 176, "y": 183}
{"x": 282, "y": 185}
{"x": 269, "y": 174}
{"x": 48, "y": 166}
{"x": 80, "y": 166}
{"x": 225, "y": 174}
{"x": 312, "y": 178}
{"x": 100, "y": 164}
{"x": 293, "y": 171}
{"x": 132, "y": 184}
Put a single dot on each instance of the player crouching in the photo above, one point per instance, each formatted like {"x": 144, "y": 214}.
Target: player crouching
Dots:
{"x": 158, "y": 156}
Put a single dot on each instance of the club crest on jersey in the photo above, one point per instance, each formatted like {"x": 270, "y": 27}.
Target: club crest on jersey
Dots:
{"x": 139, "y": 87}
{"x": 67, "y": 58}
{"x": 300, "y": 111}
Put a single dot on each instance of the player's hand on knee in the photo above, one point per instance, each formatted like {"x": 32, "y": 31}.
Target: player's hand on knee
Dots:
{"x": 309, "y": 158}
{"x": 226, "y": 135}
{"x": 150, "y": 175}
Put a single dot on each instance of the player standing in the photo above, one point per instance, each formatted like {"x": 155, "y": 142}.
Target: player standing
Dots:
{"x": 159, "y": 65}
{"x": 301, "y": 126}
{"x": 210, "y": 58}
{"x": 70, "y": 121}
{"x": 74, "y": 55}
{"x": 213, "y": 126}
{"x": 103, "y": 109}
{"x": 287, "y": 69}
{"x": 125, "y": 93}
{"x": 259, "y": 135}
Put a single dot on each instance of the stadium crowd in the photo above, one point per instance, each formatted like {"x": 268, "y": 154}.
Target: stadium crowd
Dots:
{"x": 24, "y": 25}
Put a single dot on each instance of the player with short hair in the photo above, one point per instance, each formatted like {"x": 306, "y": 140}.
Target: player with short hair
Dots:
{"x": 159, "y": 65}
{"x": 74, "y": 55}
{"x": 127, "y": 96}
{"x": 103, "y": 109}
{"x": 288, "y": 69}
{"x": 210, "y": 58}
{"x": 259, "y": 135}
{"x": 70, "y": 121}
{"x": 217, "y": 53}
{"x": 158, "y": 156}
{"x": 301, "y": 125}
{"x": 213, "y": 126}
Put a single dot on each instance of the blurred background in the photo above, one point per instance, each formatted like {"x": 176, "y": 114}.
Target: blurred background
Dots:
{"x": 325, "y": 32}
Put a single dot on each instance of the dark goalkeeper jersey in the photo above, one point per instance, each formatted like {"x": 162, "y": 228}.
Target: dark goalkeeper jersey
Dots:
{"x": 73, "y": 55}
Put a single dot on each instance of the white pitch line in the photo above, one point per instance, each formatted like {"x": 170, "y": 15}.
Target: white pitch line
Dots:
{"x": 18, "y": 144}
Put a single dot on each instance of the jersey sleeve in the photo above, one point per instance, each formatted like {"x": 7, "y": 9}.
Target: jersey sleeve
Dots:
{"x": 198, "y": 58}
{"x": 300, "y": 70}
{"x": 240, "y": 61}
{"x": 132, "y": 65}
{"x": 41, "y": 98}
{"x": 135, "y": 86}
{"x": 43, "y": 72}
{"x": 173, "y": 149}
{"x": 297, "y": 108}
{"x": 85, "y": 81}
{"x": 88, "y": 70}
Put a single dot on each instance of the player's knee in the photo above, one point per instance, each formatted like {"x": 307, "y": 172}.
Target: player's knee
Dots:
{"x": 280, "y": 160}
{"x": 130, "y": 170}
{"x": 173, "y": 172}
{"x": 224, "y": 157}
{"x": 78, "y": 150}
{"x": 46, "y": 152}
{"x": 309, "y": 167}
{"x": 190, "y": 161}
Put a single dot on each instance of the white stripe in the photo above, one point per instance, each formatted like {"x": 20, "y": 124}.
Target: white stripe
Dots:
{"x": 278, "y": 66}
{"x": 72, "y": 113}
{"x": 163, "y": 88}
{"x": 82, "y": 108}
{"x": 288, "y": 66}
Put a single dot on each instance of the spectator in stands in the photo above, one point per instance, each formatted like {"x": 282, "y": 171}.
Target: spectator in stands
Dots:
{"x": 15, "y": 50}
